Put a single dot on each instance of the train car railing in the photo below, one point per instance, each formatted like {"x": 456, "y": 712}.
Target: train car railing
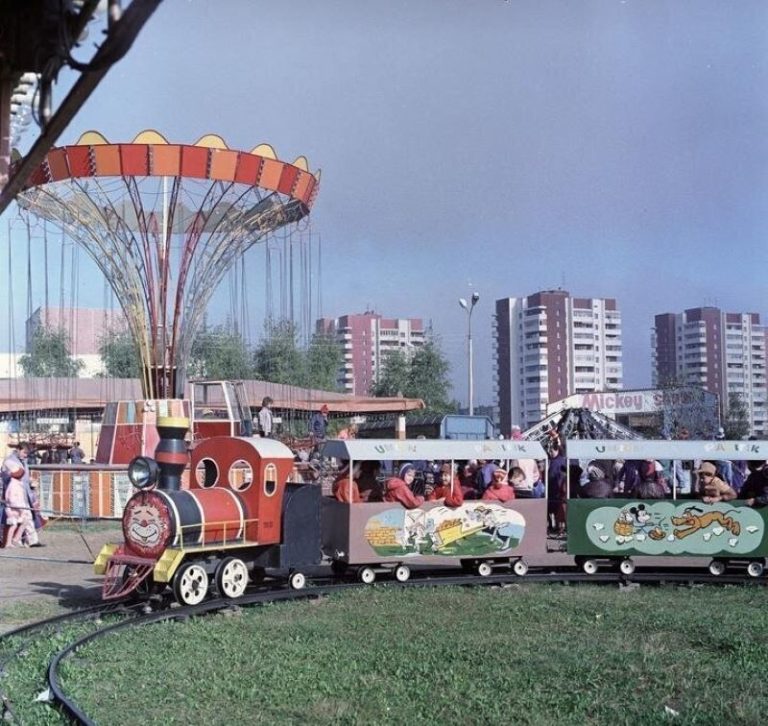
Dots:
{"x": 223, "y": 533}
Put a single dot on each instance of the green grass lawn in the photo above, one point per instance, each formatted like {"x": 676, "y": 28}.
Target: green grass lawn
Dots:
{"x": 524, "y": 654}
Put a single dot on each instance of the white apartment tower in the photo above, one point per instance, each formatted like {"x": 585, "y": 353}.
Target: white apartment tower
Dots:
{"x": 725, "y": 353}
{"x": 367, "y": 339}
{"x": 550, "y": 345}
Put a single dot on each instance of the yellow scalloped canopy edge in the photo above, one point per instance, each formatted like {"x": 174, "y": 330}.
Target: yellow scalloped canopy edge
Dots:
{"x": 211, "y": 141}
{"x": 150, "y": 137}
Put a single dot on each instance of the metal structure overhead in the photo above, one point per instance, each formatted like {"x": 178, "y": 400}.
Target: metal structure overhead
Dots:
{"x": 165, "y": 222}
{"x": 36, "y": 41}
{"x": 578, "y": 423}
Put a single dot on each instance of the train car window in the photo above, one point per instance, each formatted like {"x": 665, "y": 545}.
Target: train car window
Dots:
{"x": 240, "y": 475}
{"x": 270, "y": 479}
{"x": 207, "y": 473}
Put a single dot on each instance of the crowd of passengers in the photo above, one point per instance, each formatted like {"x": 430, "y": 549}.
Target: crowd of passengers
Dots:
{"x": 413, "y": 483}
{"x": 710, "y": 481}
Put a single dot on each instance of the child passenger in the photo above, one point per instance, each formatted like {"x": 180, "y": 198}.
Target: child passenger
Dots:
{"x": 712, "y": 488}
{"x": 345, "y": 487}
{"x": 448, "y": 489}
{"x": 398, "y": 488}
{"x": 368, "y": 482}
{"x": 500, "y": 490}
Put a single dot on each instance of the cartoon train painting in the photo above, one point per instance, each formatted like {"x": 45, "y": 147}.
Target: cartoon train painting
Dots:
{"x": 473, "y": 529}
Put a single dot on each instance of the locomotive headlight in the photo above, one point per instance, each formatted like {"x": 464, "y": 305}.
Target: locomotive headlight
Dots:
{"x": 143, "y": 472}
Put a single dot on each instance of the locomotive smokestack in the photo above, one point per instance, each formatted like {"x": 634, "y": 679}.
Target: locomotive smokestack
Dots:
{"x": 171, "y": 453}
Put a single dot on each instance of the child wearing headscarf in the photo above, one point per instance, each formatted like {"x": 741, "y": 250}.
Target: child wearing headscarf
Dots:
{"x": 398, "y": 488}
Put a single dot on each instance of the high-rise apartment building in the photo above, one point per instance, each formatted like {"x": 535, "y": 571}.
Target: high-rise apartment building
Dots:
{"x": 725, "y": 353}
{"x": 367, "y": 339}
{"x": 550, "y": 345}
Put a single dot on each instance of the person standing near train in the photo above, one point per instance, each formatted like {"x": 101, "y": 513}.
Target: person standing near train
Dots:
{"x": 76, "y": 454}
{"x": 265, "y": 417}
{"x": 318, "y": 425}
{"x": 18, "y": 508}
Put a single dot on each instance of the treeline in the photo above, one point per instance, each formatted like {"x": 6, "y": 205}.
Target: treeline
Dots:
{"x": 221, "y": 353}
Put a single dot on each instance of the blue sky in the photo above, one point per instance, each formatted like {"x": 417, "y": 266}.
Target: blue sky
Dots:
{"x": 614, "y": 148}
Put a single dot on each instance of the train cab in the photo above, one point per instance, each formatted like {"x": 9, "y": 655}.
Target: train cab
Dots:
{"x": 375, "y": 536}
{"x": 661, "y": 513}
{"x": 219, "y": 408}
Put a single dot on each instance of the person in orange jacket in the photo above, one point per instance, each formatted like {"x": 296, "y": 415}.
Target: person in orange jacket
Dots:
{"x": 453, "y": 495}
{"x": 341, "y": 487}
{"x": 398, "y": 488}
{"x": 500, "y": 490}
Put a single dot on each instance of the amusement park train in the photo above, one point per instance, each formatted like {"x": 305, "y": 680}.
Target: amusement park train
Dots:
{"x": 241, "y": 517}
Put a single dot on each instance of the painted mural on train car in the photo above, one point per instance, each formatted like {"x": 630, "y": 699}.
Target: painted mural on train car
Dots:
{"x": 670, "y": 528}
{"x": 473, "y": 529}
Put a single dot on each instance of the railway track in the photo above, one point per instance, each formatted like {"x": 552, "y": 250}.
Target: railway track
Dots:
{"x": 20, "y": 644}
{"x": 91, "y": 624}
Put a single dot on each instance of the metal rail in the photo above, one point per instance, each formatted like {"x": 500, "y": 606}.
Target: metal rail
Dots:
{"x": 27, "y": 633}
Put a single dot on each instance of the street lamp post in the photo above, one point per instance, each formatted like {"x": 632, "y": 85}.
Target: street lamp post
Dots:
{"x": 469, "y": 307}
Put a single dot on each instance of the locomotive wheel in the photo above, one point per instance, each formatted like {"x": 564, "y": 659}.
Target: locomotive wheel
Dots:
{"x": 589, "y": 566}
{"x": 483, "y": 569}
{"x": 402, "y": 573}
{"x": 755, "y": 569}
{"x": 626, "y": 566}
{"x": 520, "y": 568}
{"x": 716, "y": 568}
{"x": 366, "y": 575}
{"x": 231, "y": 577}
{"x": 339, "y": 567}
{"x": 297, "y": 580}
{"x": 190, "y": 584}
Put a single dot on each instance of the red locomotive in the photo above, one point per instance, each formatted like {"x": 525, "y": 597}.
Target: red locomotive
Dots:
{"x": 225, "y": 528}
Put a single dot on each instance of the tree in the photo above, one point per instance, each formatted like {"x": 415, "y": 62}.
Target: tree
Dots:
{"x": 118, "y": 354}
{"x": 323, "y": 359}
{"x": 423, "y": 375}
{"x": 277, "y": 358}
{"x": 219, "y": 353}
{"x": 428, "y": 378}
{"x": 736, "y": 423}
{"x": 394, "y": 378}
{"x": 48, "y": 355}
